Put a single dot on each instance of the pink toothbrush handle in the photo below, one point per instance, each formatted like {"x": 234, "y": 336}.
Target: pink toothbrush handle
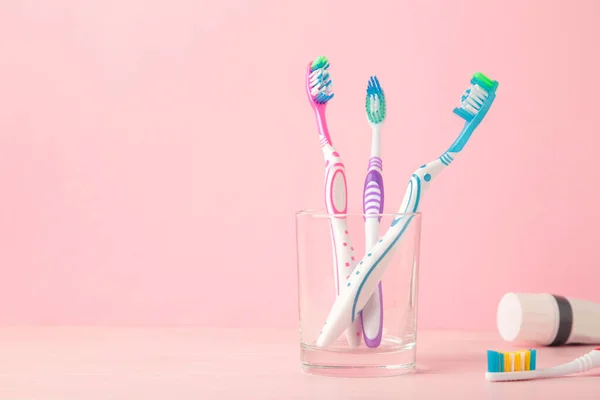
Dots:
{"x": 336, "y": 204}
{"x": 344, "y": 256}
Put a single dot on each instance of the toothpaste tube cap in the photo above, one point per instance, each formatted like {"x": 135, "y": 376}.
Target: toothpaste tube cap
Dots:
{"x": 540, "y": 318}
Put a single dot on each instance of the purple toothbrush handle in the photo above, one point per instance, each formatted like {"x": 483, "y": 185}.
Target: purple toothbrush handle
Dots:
{"x": 373, "y": 202}
{"x": 373, "y": 193}
{"x": 376, "y": 341}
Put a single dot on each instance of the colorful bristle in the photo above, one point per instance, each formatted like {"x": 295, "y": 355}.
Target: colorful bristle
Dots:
{"x": 473, "y": 99}
{"x": 375, "y": 104}
{"x": 320, "y": 62}
{"x": 513, "y": 361}
{"x": 320, "y": 81}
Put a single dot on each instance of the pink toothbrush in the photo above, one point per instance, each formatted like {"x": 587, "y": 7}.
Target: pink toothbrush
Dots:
{"x": 319, "y": 90}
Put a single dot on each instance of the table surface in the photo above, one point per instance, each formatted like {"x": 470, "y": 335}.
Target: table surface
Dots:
{"x": 198, "y": 363}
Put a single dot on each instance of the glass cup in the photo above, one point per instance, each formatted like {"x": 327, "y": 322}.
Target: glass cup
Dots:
{"x": 396, "y": 354}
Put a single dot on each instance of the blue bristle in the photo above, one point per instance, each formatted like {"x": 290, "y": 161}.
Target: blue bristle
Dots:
{"x": 374, "y": 87}
{"x": 500, "y": 362}
{"x": 377, "y": 85}
{"x": 492, "y": 359}
{"x": 532, "y": 361}
{"x": 325, "y": 68}
{"x": 323, "y": 98}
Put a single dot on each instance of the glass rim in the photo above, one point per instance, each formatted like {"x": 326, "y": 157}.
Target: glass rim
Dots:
{"x": 322, "y": 213}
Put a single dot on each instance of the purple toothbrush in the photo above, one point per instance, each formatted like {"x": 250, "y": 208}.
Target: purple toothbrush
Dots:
{"x": 372, "y": 314}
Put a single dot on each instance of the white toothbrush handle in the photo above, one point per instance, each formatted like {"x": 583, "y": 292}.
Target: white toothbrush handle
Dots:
{"x": 345, "y": 261}
{"x": 336, "y": 203}
{"x": 372, "y": 313}
{"x": 579, "y": 365}
{"x": 361, "y": 285}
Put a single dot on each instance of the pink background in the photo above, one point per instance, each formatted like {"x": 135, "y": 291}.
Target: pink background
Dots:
{"x": 153, "y": 153}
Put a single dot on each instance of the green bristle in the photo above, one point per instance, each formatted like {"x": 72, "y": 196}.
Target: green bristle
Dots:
{"x": 483, "y": 81}
{"x": 319, "y": 62}
{"x": 374, "y": 90}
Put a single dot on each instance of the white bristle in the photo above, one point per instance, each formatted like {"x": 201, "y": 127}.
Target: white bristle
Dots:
{"x": 474, "y": 100}
{"x": 512, "y": 362}
{"x": 481, "y": 90}
{"x": 523, "y": 355}
{"x": 470, "y": 109}
{"x": 375, "y": 103}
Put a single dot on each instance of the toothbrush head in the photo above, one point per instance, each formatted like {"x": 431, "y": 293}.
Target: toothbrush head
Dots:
{"x": 514, "y": 361}
{"x": 375, "y": 103}
{"x": 318, "y": 81}
{"x": 474, "y": 105}
{"x": 477, "y": 99}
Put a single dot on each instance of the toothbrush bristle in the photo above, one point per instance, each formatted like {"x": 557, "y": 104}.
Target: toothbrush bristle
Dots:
{"x": 483, "y": 81}
{"x": 513, "y": 361}
{"x": 375, "y": 103}
{"x": 320, "y": 81}
{"x": 475, "y": 96}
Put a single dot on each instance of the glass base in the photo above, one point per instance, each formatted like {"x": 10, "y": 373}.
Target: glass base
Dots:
{"x": 359, "y": 372}
{"x": 392, "y": 357}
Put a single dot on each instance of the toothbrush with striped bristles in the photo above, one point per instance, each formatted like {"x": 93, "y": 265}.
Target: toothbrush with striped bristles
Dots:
{"x": 474, "y": 106}
{"x": 319, "y": 90}
{"x": 373, "y": 194}
{"x": 521, "y": 366}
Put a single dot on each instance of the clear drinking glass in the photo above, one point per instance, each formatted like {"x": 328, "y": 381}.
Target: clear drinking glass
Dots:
{"x": 396, "y": 353}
